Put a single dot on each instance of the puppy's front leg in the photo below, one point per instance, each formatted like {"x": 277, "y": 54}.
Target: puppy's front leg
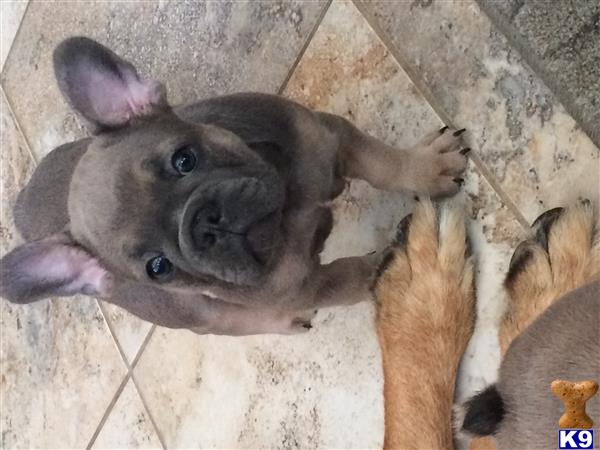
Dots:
{"x": 344, "y": 281}
{"x": 236, "y": 320}
{"x": 432, "y": 167}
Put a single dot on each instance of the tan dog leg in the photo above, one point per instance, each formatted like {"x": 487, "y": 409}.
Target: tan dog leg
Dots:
{"x": 563, "y": 256}
{"x": 425, "y": 319}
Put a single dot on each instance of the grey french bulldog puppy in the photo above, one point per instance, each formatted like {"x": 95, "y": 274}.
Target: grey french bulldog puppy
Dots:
{"x": 209, "y": 216}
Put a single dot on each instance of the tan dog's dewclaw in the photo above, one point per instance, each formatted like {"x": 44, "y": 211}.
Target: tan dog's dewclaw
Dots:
{"x": 425, "y": 318}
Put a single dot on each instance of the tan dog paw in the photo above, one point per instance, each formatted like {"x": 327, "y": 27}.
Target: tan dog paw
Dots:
{"x": 426, "y": 278}
{"x": 563, "y": 255}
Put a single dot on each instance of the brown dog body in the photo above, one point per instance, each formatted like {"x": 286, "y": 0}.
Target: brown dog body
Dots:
{"x": 209, "y": 216}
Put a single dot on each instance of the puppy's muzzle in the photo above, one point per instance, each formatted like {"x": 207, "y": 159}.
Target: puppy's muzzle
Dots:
{"x": 232, "y": 222}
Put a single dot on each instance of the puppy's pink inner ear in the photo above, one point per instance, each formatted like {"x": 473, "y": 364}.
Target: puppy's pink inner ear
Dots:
{"x": 80, "y": 271}
{"x": 115, "y": 101}
{"x": 144, "y": 96}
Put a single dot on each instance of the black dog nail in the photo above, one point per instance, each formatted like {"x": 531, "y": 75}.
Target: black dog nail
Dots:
{"x": 308, "y": 326}
{"x": 459, "y": 132}
{"x": 542, "y": 225}
{"x": 443, "y": 129}
{"x": 459, "y": 181}
{"x": 464, "y": 151}
{"x": 402, "y": 231}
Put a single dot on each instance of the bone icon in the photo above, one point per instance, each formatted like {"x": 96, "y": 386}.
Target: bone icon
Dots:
{"x": 574, "y": 396}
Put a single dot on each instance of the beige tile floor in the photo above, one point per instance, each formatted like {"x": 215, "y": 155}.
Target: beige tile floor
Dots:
{"x": 78, "y": 373}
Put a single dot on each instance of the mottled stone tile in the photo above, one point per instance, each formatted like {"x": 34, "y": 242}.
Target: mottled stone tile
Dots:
{"x": 128, "y": 425}
{"x": 268, "y": 391}
{"x": 129, "y": 330}
{"x": 59, "y": 371}
{"x": 198, "y": 49}
{"x": 16, "y": 166}
{"x": 324, "y": 388}
{"x": 539, "y": 155}
{"x": 11, "y": 13}
{"x": 58, "y": 364}
{"x": 560, "y": 41}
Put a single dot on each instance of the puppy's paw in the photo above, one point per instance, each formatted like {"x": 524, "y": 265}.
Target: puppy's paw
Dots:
{"x": 563, "y": 255}
{"x": 299, "y": 322}
{"x": 437, "y": 162}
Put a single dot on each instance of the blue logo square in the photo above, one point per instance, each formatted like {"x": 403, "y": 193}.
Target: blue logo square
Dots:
{"x": 575, "y": 439}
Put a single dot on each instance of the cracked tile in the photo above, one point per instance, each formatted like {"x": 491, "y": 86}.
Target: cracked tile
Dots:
{"x": 534, "y": 148}
{"x": 128, "y": 425}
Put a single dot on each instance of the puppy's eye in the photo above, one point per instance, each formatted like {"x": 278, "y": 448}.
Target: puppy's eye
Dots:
{"x": 158, "y": 267}
{"x": 183, "y": 160}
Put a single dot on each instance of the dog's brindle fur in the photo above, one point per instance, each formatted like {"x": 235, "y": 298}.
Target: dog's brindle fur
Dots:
{"x": 97, "y": 210}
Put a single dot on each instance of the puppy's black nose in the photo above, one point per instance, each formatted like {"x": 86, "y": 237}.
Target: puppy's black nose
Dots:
{"x": 208, "y": 215}
{"x": 208, "y": 226}
{"x": 208, "y": 239}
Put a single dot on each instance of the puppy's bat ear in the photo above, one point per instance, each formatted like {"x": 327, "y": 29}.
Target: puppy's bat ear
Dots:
{"x": 55, "y": 266}
{"x": 41, "y": 207}
{"x": 102, "y": 87}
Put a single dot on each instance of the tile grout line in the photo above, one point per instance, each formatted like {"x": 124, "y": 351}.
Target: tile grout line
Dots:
{"x": 300, "y": 55}
{"x": 12, "y": 43}
{"x": 111, "y": 330}
{"x": 439, "y": 110}
{"x": 126, "y": 378}
{"x": 19, "y": 128}
{"x": 33, "y": 162}
{"x": 159, "y": 434}
{"x": 108, "y": 410}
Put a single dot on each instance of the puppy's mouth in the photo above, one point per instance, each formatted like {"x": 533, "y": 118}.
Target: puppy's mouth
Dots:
{"x": 261, "y": 237}
{"x": 231, "y": 229}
